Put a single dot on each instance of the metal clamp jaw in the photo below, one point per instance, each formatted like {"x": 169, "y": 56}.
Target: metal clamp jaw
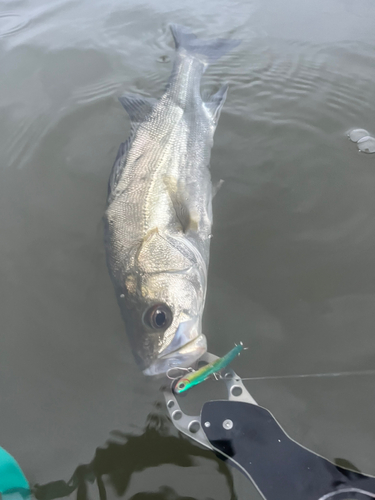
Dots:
{"x": 191, "y": 425}
{"x": 251, "y": 439}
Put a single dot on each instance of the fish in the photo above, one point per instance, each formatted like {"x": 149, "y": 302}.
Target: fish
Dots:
{"x": 198, "y": 376}
{"x": 158, "y": 216}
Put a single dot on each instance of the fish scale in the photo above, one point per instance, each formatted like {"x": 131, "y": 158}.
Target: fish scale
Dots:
{"x": 159, "y": 211}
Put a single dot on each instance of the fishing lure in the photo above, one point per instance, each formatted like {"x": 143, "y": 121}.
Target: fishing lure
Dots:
{"x": 196, "y": 377}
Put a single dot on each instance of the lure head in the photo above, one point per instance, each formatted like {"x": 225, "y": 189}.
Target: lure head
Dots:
{"x": 182, "y": 385}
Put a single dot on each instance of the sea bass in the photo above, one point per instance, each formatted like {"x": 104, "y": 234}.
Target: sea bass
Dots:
{"x": 159, "y": 215}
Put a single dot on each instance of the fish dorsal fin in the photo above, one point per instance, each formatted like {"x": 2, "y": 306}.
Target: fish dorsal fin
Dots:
{"x": 137, "y": 106}
{"x": 178, "y": 192}
{"x": 215, "y": 103}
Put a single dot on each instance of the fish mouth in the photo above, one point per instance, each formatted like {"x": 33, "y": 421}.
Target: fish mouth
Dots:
{"x": 182, "y": 357}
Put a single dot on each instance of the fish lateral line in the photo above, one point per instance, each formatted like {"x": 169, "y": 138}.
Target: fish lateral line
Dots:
{"x": 193, "y": 378}
{"x": 159, "y": 209}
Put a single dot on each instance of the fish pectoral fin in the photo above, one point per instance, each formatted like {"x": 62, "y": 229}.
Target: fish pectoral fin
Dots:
{"x": 216, "y": 187}
{"x": 137, "y": 106}
{"x": 215, "y": 103}
{"x": 187, "y": 216}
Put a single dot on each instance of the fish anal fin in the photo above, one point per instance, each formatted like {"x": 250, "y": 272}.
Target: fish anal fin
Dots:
{"x": 187, "y": 216}
{"x": 215, "y": 102}
{"x": 137, "y": 106}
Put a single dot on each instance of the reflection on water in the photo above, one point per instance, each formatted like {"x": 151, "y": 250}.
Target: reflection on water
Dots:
{"x": 116, "y": 463}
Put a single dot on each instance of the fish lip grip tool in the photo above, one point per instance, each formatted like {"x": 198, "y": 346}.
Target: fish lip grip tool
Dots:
{"x": 250, "y": 438}
{"x": 191, "y": 426}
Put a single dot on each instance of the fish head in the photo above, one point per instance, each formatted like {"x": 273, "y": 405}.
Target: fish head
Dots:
{"x": 163, "y": 306}
{"x": 163, "y": 321}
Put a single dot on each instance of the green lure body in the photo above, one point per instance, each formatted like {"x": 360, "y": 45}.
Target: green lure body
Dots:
{"x": 195, "y": 378}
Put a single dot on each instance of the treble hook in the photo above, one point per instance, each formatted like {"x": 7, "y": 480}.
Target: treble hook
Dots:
{"x": 174, "y": 368}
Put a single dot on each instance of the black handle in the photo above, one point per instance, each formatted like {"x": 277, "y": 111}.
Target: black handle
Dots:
{"x": 281, "y": 469}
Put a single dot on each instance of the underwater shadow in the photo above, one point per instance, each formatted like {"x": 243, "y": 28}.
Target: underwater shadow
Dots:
{"x": 118, "y": 461}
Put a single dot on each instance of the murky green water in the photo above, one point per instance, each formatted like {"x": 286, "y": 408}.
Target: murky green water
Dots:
{"x": 292, "y": 259}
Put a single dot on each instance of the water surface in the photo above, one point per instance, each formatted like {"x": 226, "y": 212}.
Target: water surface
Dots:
{"x": 292, "y": 257}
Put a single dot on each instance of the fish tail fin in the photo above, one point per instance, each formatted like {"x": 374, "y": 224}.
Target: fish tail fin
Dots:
{"x": 208, "y": 50}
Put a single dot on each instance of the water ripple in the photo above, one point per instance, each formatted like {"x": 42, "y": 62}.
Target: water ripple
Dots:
{"x": 97, "y": 90}
{"x": 11, "y": 23}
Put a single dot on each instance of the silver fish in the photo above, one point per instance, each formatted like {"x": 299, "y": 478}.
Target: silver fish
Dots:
{"x": 159, "y": 215}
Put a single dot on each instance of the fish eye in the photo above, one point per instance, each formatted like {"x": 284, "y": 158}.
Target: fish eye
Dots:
{"x": 181, "y": 386}
{"x": 159, "y": 317}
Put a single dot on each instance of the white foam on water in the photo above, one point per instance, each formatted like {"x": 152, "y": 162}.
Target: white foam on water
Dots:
{"x": 364, "y": 139}
{"x": 357, "y": 134}
{"x": 366, "y": 145}
{"x": 365, "y": 142}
